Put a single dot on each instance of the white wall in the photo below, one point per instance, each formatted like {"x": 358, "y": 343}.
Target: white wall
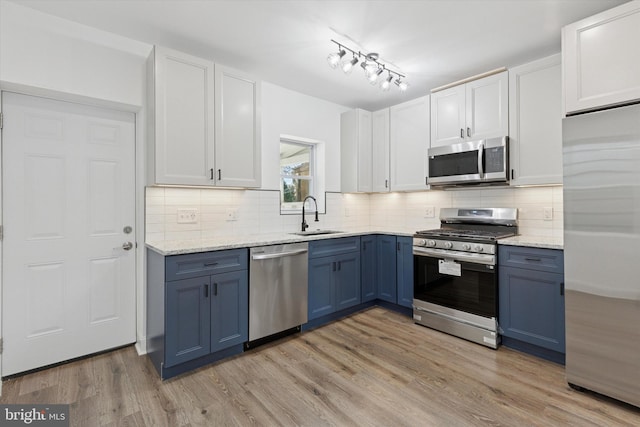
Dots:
{"x": 42, "y": 51}
{"x": 285, "y": 112}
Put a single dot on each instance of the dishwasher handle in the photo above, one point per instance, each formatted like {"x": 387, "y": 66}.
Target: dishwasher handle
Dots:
{"x": 278, "y": 254}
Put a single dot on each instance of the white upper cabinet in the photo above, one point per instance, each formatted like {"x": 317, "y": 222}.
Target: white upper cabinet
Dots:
{"x": 355, "y": 151}
{"x": 409, "y": 142}
{"x": 535, "y": 122}
{"x": 204, "y": 122}
{"x": 448, "y": 109}
{"x": 601, "y": 59}
{"x": 237, "y": 123}
{"x": 181, "y": 118}
{"x": 380, "y": 151}
{"x": 474, "y": 110}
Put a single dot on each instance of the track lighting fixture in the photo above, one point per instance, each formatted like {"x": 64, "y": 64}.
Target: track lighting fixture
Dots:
{"x": 369, "y": 62}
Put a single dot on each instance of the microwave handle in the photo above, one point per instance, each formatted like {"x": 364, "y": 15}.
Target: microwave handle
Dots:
{"x": 481, "y": 159}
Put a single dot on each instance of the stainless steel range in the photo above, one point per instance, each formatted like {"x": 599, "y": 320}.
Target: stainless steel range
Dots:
{"x": 455, "y": 275}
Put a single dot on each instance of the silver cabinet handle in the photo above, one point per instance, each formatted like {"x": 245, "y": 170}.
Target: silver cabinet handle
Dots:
{"x": 127, "y": 246}
{"x": 469, "y": 132}
{"x": 461, "y": 133}
{"x": 279, "y": 254}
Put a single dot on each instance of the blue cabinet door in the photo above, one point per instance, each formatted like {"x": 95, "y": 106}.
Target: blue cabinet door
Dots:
{"x": 531, "y": 307}
{"x": 368, "y": 257}
{"x": 404, "y": 272}
{"x": 229, "y": 297}
{"x": 386, "y": 268}
{"x": 321, "y": 294}
{"x": 347, "y": 280}
{"x": 187, "y": 325}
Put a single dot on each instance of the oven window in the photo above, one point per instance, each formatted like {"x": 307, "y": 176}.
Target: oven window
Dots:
{"x": 474, "y": 291}
{"x": 464, "y": 163}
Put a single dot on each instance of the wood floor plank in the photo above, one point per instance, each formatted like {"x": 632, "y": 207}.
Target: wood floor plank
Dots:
{"x": 370, "y": 369}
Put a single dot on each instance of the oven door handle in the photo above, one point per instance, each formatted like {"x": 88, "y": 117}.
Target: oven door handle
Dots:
{"x": 461, "y": 256}
{"x": 455, "y": 319}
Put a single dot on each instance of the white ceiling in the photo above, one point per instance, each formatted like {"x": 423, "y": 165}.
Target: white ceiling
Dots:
{"x": 286, "y": 42}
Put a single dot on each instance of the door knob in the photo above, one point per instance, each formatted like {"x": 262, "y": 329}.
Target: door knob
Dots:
{"x": 127, "y": 246}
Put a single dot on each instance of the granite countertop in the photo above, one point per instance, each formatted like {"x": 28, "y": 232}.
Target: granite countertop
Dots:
{"x": 534, "y": 241}
{"x": 176, "y": 247}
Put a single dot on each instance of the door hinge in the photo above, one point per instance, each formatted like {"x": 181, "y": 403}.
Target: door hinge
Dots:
{"x": 1, "y": 120}
{"x": 1, "y": 233}
{"x": 1, "y": 345}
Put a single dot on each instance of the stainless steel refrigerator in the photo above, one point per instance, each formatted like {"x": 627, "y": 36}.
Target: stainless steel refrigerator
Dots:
{"x": 601, "y": 157}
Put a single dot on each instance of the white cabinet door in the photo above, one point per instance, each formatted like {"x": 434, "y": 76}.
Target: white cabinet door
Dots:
{"x": 184, "y": 121}
{"x": 475, "y": 110}
{"x": 536, "y": 122}
{"x": 355, "y": 151}
{"x": 448, "y": 116}
{"x": 380, "y": 151}
{"x": 237, "y": 124}
{"x": 601, "y": 59}
{"x": 409, "y": 142}
{"x": 487, "y": 104}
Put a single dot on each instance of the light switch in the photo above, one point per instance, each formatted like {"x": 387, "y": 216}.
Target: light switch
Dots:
{"x": 187, "y": 216}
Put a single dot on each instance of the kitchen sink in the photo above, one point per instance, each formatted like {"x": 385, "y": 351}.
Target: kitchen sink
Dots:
{"x": 316, "y": 232}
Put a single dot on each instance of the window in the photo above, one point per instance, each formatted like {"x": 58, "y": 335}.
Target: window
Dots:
{"x": 297, "y": 173}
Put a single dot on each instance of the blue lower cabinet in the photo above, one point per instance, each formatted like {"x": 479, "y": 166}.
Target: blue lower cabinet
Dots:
{"x": 347, "y": 280}
{"x": 187, "y": 328}
{"x": 321, "y": 289}
{"x": 531, "y": 300}
{"x": 404, "y": 270}
{"x": 229, "y": 309}
{"x": 197, "y": 308}
{"x": 368, "y": 261}
{"x": 334, "y": 276}
{"x": 386, "y": 268}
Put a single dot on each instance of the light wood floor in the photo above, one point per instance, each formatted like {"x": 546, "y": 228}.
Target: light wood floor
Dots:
{"x": 375, "y": 368}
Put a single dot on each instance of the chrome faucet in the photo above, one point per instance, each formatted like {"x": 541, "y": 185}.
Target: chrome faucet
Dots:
{"x": 304, "y": 222}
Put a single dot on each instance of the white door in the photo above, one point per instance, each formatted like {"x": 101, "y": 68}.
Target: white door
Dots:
{"x": 69, "y": 192}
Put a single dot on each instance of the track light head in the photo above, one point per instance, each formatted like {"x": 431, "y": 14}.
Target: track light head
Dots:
{"x": 373, "y": 77}
{"x": 402, "y": 85}
{"x": 347, "y": 66}
{"x": 334, "y": 58}
{"x": 386, "y": 83}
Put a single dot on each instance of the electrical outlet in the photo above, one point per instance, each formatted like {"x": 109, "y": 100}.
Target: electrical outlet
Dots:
{"x": 547, "y": 214}
{"x": 232, "y": 214}
{"x": 187, "y": 216}
{"x": 429, "y": 212}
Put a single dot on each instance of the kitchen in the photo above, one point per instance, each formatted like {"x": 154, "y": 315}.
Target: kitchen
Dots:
{"x": 228, "y": 213}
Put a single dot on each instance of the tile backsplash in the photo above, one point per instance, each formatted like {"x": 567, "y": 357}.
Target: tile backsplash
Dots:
{"x": 222, "y": 212}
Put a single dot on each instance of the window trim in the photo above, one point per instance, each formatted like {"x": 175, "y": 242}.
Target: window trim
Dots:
{"x": 296, "y": 207}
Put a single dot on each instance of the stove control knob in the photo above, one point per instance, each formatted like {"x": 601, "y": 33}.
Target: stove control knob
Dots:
{"x": 448, "y": 245}
{"x": 466, "y": 247}
{"x": 422, "y": 242}
{"x": 431, "y": 243}
{"x": 478, "y": 248}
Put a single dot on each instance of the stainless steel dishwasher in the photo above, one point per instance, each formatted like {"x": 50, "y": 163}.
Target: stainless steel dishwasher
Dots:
{"x": 278, "y": 285}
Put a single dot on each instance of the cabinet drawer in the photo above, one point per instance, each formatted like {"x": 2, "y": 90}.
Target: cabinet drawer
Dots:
{"x": 551, "y": 260}
{"x": 327, "y": 247}
{"x": 205, "y": 263}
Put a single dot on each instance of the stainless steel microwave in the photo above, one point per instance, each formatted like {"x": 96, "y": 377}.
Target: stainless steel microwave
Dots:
{"x": 484, "y": 161}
